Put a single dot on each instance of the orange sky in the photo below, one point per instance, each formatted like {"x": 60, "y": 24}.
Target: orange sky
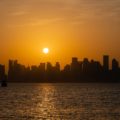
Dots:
{"x": 82, "y": 28}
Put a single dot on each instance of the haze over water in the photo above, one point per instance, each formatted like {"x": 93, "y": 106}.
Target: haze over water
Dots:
{"x": 60, "y": 102}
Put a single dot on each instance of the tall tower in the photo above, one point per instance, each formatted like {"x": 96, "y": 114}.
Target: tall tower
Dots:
{"x": 74, "y": 64}
{"x": 57, "y": 66}
{"x": 115, "y": 64}
{"x": 2, "y": 71}
{"x": 106, "y": 62}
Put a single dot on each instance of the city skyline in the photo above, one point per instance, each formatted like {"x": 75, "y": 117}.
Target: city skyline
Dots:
{"x": 61, "y": 65}
{"x": 77, "y": 71}
{"x": 106, "y": 62}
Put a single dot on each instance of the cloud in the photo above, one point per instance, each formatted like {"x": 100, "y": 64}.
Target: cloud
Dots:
{"x": 19, "y": 13}
{"x": 50, "y": 11}
{"x": 37, "y": 22}
{"x": 45, "y": 21}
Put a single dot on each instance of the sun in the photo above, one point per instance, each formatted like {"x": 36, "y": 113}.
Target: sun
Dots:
{"x": 45, "y": 50}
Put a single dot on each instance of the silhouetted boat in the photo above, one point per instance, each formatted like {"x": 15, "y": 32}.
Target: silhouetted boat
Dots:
{"x": 4, "y": 82}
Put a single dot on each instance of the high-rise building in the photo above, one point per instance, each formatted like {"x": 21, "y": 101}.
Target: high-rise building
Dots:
{"x": 74, "y": 60}
{"x": 106, "y": 62}
{"x": 85, "y": 66}
{"x": 11, "y": 64}
{"x": 49, "y": 67}
{"x": 2, "y": 71}
{"x": 115, "y": 64}
{"x": 57, "y": 66}
{"x": 11, "y": 70}
{"x": 67, "y": 68}
{"x": 42, "y": 67}
{"x": 74, "y": 64}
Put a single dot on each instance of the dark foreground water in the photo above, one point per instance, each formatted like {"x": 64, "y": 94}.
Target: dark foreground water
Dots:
{"x": 60, "y": 102}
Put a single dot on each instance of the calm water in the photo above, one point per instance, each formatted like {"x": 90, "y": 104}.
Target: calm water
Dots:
{"x": 60, "y": 102}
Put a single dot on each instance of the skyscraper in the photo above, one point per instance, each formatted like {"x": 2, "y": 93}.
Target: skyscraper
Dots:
{"x": 106, "y": 62}
{"x": 85, "y": 66}
{"x": 57, "y": 66}
{"x": 42, "y": 67}
{"x": 115, "y": 64}
{"x": 74, "y": 64}
{"x": 49, "y": 67}
{"x": 2, "y": 72}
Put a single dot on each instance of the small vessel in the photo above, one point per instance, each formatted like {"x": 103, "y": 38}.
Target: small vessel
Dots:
{"x": 4, "y": 82}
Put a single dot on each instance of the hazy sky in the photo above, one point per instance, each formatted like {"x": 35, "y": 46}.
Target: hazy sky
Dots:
{"x": 82, "y": 28}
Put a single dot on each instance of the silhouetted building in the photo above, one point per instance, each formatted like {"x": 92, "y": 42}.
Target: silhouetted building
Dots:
{"x": 2, "y": 71}
{"x": 16, "y": 71}
{"x": 10, "y": 69}
{"x": 74, "y": 65}
{"x": 106, "y": 62}
{"x": 66, "y": 72}
{"x": 3, "y": 77}
{"x": 42, "y": 67}
{"x": 57, "y": 67}
{"x": 115, "y": 64}
{"x": 86, "y": 65}
{"x": 34, "y": 68}
{"x": 77, "y": 71}
{"x": 11, "y": 64}
{"x": 49, "y": 67}
{"x": 67, "y": 68}
{"x": 74, "y": 60}
{"x": 75, "y": 68}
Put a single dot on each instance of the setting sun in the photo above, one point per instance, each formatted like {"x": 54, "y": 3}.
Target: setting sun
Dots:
{"x": 45, "y": 50}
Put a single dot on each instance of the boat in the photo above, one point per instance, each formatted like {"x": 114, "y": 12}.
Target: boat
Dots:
{"x": 4, "y": 82}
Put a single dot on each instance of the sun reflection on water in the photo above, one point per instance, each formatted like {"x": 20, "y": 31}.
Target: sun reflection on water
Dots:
{"x": 60, "y": 101}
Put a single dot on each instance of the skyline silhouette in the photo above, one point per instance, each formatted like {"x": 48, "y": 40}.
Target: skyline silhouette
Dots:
{"x": 78, "y": 71}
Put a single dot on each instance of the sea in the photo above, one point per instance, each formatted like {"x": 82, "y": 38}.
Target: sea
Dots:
{"x": 60, "y": 101}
